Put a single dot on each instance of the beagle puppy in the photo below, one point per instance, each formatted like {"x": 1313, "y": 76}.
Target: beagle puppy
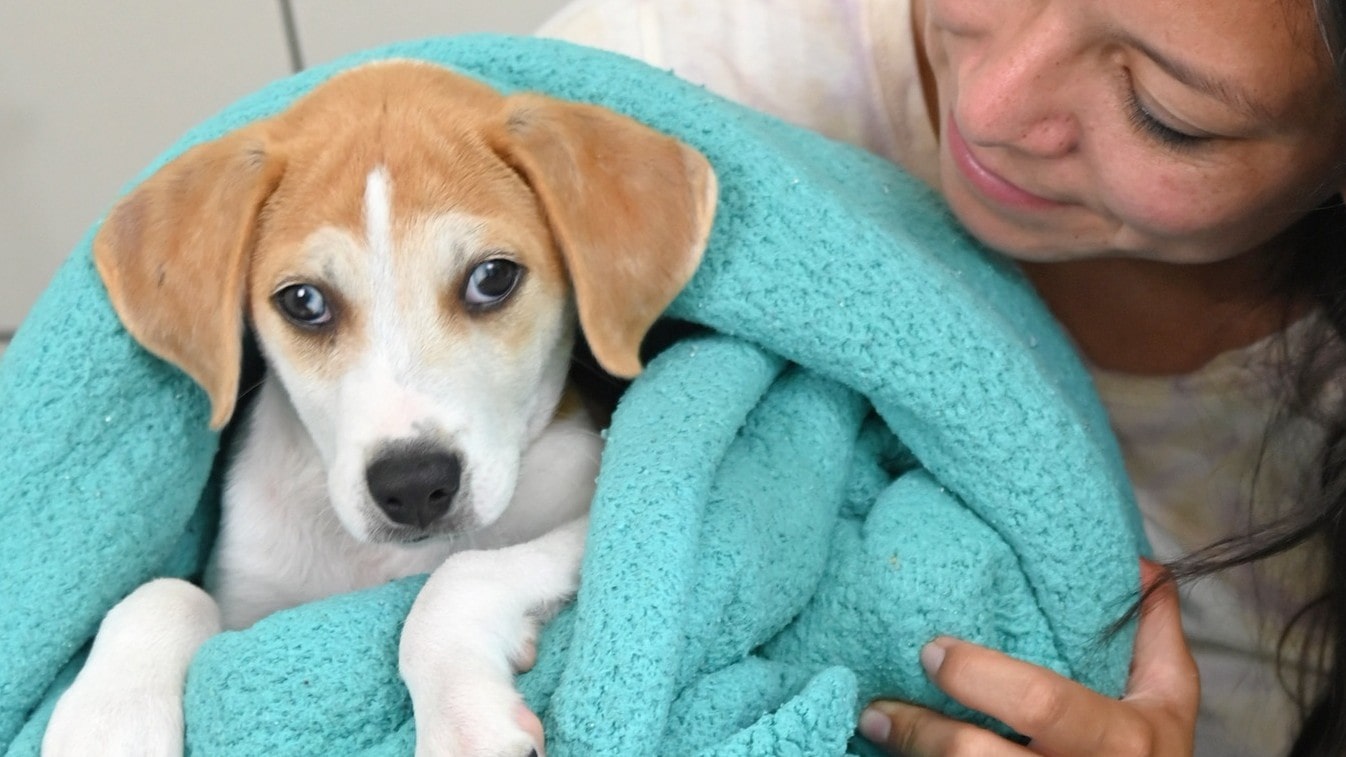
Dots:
{"x": 414, "y": 253}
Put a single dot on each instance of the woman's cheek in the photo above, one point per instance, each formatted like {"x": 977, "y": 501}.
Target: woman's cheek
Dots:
{"x": 1169, "y": 201}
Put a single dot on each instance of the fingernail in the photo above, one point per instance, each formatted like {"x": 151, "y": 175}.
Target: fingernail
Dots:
{"x": 932, "y": 656}
{"x": 875, "y": 726}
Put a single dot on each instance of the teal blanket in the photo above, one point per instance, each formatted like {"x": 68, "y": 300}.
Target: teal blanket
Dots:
{"x": 879, "y": 436}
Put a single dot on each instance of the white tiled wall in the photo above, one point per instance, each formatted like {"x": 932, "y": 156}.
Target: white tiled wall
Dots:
{"x": 90, "y": 92}
{"x": 332, "y": 28}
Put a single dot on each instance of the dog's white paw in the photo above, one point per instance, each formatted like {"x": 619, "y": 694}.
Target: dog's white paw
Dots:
{"x": 106, "y": 718}
{"x": 474, "y": 623}
{"x": 128, "y": 698}
{"x": 461, "y": 645}
{"x": 475, "y": 716}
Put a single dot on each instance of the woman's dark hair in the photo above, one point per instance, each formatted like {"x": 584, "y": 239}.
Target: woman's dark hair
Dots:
{"x": 1316, "y": 271}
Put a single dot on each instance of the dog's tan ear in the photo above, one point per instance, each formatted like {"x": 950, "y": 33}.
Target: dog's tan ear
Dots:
{"x": 630, "y": 208}
{"x": 173, "y": 255}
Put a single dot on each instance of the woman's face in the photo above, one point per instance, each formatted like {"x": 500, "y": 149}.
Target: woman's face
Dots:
{"x": 1172, "y": 130}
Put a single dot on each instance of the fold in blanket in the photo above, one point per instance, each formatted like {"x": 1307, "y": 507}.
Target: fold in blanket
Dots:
{"x": 878, "y": 436}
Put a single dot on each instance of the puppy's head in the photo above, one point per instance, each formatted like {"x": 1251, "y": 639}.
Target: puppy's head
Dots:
{"x": 412, "y": 249}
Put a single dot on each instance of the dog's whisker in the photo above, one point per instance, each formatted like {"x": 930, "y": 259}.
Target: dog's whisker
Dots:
{"x": 248, "y": 391}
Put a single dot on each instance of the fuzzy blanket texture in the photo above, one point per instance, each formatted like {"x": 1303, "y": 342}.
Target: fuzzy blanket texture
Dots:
{"x": 879, "y": 436}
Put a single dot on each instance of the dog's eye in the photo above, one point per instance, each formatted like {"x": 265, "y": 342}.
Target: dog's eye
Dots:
{"x": 304, "y": 305}
{"x": 491, "y": 282}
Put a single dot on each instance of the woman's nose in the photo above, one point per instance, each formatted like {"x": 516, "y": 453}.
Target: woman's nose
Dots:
{"x": 1014, "y": 91}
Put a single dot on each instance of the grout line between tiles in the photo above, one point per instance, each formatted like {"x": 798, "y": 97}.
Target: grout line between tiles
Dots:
{"x": 291, "y": 36}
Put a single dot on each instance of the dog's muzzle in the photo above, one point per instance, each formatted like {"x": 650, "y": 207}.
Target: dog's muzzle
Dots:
{"x": 414, "y": 483}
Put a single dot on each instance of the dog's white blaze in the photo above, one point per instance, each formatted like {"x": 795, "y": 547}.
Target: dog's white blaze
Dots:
{"x": 381, "y": 313}
{"x": 379, "y": 216}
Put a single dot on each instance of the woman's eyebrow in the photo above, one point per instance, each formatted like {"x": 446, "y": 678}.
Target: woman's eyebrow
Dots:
{"x": 1223, "y": 90}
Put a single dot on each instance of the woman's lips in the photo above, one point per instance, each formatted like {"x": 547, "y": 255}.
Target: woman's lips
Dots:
{"x": 988, "y": 183}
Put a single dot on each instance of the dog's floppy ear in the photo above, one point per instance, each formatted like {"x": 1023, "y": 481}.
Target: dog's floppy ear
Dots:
{"x": 173, "y": 255}
{"x": 630, "y": 208}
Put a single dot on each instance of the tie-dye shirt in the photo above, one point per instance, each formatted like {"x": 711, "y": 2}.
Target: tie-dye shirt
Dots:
{"x": 847, "y": 68}
{"x": 1211, "y": 453}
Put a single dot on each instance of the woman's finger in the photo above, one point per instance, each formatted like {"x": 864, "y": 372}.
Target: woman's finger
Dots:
{"x": 1058, "y": 714}
{"x": 1064, "y": 717}
{"x": 1163, "y": 665}
{"x": 903, "y": 729}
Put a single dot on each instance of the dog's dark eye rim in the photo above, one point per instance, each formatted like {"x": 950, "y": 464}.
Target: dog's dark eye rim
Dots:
{"x": 491, "y": 282}
{"x": 304, "y": 304}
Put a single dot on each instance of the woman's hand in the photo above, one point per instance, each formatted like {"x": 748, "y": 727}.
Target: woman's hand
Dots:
{"x": 1157, "y": 716}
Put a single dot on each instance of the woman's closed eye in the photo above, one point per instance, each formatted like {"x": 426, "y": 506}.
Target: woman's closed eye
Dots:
{"x": 1149, "y": 125}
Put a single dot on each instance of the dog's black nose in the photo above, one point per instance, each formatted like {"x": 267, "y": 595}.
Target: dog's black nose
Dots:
{"x": 414, "y": 485}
